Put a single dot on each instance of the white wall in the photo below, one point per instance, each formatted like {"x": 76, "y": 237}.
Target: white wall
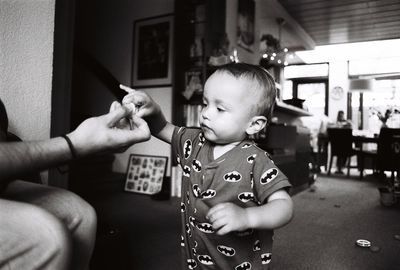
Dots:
{"x": 26, "y": 57}
{"x": 338, "y": 76}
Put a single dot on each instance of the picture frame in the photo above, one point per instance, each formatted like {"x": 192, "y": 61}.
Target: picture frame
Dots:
{"x": 152, "y": 51}
{"x": 246, "y": 24}
{"x": 145, "y": 173}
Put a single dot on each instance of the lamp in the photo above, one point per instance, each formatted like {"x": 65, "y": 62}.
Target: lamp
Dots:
{"x": 361, "y": 85}
{"x": 274, "y": 54}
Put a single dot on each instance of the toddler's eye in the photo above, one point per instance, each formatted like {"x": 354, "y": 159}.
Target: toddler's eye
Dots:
{"x": 220, "y": 109}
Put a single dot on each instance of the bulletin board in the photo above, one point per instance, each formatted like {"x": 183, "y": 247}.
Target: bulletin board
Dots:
{"x": 145, "y": 174}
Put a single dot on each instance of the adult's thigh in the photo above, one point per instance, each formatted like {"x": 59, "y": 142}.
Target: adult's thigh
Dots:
{"x": 66, "y": 205}
{"x": 31, "y": 238}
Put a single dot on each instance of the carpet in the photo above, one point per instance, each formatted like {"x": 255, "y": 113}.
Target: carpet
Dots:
{"x": 329, "y": 218}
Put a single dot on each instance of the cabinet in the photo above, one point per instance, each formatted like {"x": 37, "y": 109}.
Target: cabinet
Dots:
{"x": 199, "y": 34}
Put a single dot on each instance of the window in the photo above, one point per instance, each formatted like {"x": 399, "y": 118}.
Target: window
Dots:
{"x": 386, "y": 95}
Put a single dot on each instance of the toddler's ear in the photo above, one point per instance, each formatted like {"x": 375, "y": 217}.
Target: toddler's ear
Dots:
{"x": 256, "y": 125}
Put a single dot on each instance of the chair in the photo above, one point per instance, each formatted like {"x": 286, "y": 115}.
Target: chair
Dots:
{"x": 341, "y": 142}
{"x": 388, "y": 154}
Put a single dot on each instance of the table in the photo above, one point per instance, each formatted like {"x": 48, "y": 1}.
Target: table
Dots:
{"x": 365, "y": 139}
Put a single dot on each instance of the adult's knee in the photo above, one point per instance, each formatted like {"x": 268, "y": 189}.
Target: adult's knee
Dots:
{"x": 42, "y": 240}
{"x": 82, "y": 215}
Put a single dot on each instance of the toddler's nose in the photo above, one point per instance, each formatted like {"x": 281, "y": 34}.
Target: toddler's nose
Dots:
{"x": 204, "y": 113}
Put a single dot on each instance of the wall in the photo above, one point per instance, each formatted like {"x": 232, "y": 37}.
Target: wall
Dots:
{"x": 104, "y": 29}
{"x": 266, "y": 13}
{"x": 26, "y": 55}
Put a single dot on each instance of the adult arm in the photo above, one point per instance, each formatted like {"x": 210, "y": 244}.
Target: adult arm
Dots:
{"x": 94, "y": 135}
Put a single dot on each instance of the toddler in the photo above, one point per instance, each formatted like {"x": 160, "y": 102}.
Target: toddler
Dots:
{"x": 233, "y": 196}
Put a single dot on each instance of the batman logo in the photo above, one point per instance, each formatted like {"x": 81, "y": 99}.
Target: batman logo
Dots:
{"x": 191, "y": 220}
{"x": 245, "y": 232}
{"x": 257, "y": 245}
{"x": 243, "y": 266}
{"x": 227, "y": 251}
{"x": 266, "y": 258}
{"x": 268, "y": 176}
{"x": 208, "y": 194}
{"x": 183, "y": 207}
{"x": 186, "y": 171}
{"x": 188, "y": 230}
{"x": 196, "y": 165}
{"x": 205, "y": 227}
{"x": 196, "y": 190}
{"x": 201, "y": 139}
{"x": 250, "y": 159}
{"x": 233, "y": 176}
{"x": 188, "y": 197}
{"x": 191, "y": 263}
{"x": 246, "y": 196}
{"x": 246, "y": 145}
{"x": 187, "y": 148}
{"x": 205, "y": 259}
{"x": 182, "y": 241}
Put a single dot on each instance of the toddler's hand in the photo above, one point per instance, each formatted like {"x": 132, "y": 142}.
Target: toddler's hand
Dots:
{"x": 141, "y": 104}
{"x": 228, "y": 217}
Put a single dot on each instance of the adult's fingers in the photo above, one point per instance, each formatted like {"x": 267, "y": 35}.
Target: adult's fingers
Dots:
{"x": 138, "y": 122}
{"x": 114, "y": 106}
{"x": 114, "y": 116}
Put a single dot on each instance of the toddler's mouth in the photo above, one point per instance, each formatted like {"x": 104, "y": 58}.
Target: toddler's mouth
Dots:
{"x": 204, "y": 127}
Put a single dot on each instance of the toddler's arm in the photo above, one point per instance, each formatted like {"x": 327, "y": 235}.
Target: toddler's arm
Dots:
{"x": 144, "y": 106}
{"x": 277, "y": 212}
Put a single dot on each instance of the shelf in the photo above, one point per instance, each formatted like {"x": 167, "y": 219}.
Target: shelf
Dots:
{"x": 290, "y": 109}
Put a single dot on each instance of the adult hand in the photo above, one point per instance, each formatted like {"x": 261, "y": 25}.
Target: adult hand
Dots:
{"x": 228, "y": 217}
{"x": 100, "y": 134}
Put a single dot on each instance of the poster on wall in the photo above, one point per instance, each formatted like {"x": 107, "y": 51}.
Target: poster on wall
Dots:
{"x": 245, "y": 24}
{"x": 145, "y": 174}
{"x": 152, "y": 51}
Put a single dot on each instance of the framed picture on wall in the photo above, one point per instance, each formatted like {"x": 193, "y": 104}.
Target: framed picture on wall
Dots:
{"x": 152, "y": 51}
{"x": 145, "y": 174}
{"x": 245, "y": 24}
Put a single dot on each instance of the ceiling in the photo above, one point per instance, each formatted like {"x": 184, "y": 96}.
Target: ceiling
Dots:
{"x": 346, "y": 21}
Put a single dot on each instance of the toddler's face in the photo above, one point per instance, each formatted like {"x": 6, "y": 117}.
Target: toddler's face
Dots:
{"x": 226, "y": 112}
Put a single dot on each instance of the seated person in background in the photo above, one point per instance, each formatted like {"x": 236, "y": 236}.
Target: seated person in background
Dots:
{"x": 341, "y": 121}
{"x": 233, "y": 195}
{"x": 43, "y": 227}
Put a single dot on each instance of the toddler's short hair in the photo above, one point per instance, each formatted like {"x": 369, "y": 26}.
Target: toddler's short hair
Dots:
{"x": 263, "y": 83}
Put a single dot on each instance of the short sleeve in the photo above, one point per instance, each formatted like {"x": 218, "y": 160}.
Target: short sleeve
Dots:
{"x": 267, "y": 177}
{"x": 184, "y": 140}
